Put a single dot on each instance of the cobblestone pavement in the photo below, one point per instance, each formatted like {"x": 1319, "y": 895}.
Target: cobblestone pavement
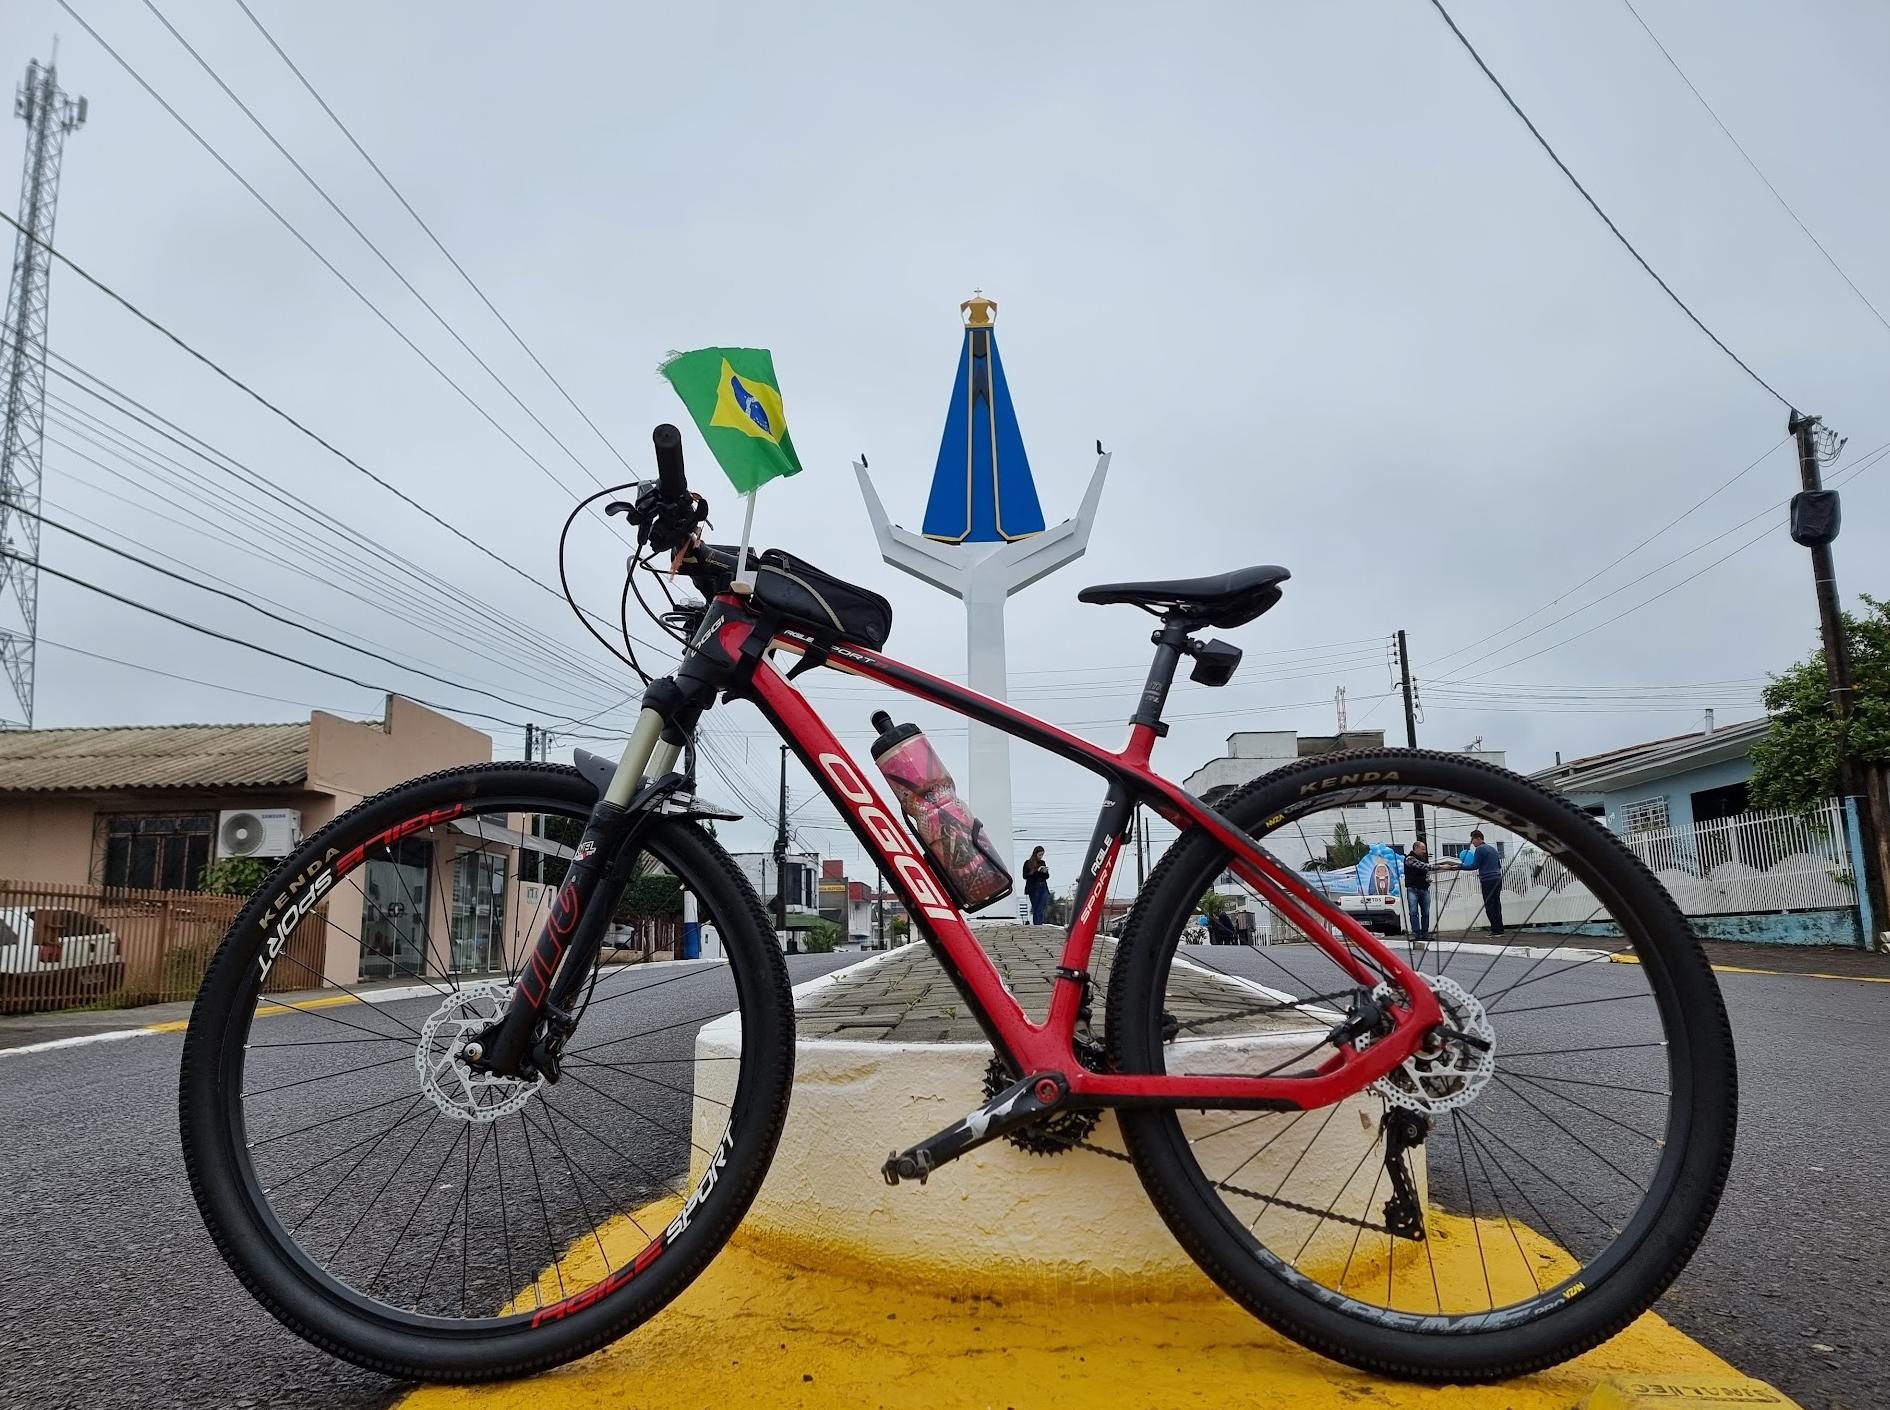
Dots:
{"x": 906, "y": 998}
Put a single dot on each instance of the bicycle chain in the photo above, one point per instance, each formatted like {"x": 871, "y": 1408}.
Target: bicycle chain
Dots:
{"x": 1293, "y": 1205}
{"x": 1256, "y": 1010}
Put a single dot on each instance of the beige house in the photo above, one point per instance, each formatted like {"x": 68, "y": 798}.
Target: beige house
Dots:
{"x": 147, "y": 807}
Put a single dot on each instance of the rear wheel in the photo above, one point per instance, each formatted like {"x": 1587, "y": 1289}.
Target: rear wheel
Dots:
{"x": 394, "y": 1206}
{"x": 1499, "y": 1205}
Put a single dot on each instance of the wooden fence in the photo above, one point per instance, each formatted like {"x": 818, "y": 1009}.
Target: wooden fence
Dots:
{"x": 67, "y": 946}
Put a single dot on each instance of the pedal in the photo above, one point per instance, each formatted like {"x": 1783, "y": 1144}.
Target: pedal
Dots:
{"x": 916, "y": 1166}
{"x": 1018, "y": 1104}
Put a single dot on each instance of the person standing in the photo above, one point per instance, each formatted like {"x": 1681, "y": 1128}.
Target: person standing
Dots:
{"x": 1417, "y": 891}
{"x": 1487, "y": 862}
{"x": 1037, "y": 886}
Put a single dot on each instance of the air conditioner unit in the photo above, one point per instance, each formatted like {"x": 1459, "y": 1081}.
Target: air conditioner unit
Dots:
{"x": 265, "y": 832}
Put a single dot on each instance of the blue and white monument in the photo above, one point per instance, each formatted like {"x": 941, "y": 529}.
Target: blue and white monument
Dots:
{"x": 984, "y": 539}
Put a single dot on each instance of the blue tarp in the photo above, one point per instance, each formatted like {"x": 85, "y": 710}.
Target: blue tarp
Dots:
{"x": 1380, "y": 872}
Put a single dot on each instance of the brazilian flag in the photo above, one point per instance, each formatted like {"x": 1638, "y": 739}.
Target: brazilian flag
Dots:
{"x": 735, "y": 399}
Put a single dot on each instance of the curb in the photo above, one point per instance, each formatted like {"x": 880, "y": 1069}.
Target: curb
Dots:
{"x": 761, "y": 1327}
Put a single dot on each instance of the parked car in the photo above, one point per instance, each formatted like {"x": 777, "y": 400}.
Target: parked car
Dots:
{"x": 39, "y": 938}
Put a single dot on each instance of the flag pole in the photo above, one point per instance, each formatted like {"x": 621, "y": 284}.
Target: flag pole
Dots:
{"x": 743, "y": 583}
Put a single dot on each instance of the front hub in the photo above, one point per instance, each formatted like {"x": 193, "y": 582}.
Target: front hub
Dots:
{"x": 449, "y": 1077}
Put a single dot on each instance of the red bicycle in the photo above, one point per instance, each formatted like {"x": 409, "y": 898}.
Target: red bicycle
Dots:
{"x": 1450, "y": 1156}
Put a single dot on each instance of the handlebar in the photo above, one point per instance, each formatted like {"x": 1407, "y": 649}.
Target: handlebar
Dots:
{"x": 669, "y": 462}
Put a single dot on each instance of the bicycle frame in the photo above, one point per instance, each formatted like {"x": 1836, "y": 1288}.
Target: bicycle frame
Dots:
{"x": 1048, "y": 1046}
{"x": 730, "y": 653}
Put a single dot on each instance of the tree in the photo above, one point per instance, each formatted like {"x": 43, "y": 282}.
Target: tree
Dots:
{"x": 1213, "y": 903}
{"x": 234, "y": 876}
{"x": 655, "y": 893}
{"x": 1344, "y": 850}
{"x": 1795, "y": 765}
{"x": 900, "y": 927}
{"x": 820, "y": 938}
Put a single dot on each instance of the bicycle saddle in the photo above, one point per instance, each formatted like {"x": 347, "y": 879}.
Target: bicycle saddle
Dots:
{"x": 1222, "y": 600}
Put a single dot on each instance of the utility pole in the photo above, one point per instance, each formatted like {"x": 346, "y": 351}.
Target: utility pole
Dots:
{"x": 780, "y": 858}
{"x": 691, "y": 919}
{"x": 50, "y": 117}
{"x": 534, "y": 864}
{"x": 1410, "y": 723}
{"x": 1814, "y": 524}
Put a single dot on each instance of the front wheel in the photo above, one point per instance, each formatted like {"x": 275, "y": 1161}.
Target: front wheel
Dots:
{"x": 1503, "y": 1201}
{"x": 394, "y": 1205}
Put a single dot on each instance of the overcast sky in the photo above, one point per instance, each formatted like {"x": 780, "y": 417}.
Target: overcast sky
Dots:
{"x": 1296, "y": 265}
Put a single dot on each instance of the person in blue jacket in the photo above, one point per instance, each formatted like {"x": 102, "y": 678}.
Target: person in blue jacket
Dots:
{"x": 1487, "y": 863}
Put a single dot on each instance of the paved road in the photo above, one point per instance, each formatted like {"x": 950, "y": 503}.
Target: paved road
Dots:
{"x": 110, "y": 1294}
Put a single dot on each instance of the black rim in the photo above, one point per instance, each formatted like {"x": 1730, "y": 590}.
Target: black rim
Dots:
{"x": 1509, "y": 1193}
{"x": 615, "y": 1137}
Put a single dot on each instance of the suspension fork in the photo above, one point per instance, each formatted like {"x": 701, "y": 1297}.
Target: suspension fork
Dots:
{"x": 562, "y": 956}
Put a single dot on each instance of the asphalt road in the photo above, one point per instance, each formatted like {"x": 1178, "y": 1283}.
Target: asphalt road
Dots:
{"x": 111, "y": 1294}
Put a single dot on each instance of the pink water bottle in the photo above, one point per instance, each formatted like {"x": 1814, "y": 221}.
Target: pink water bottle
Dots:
{"x": 973, "y": 869}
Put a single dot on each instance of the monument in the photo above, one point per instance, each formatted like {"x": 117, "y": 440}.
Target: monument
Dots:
{"x": 984, "y": 539}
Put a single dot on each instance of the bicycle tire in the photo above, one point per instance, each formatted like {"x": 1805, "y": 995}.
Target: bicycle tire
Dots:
{"x": 1701, "y": 1061}
{"x": 294, "y": 1288}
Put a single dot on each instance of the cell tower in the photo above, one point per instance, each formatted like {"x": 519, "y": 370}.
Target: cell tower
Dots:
{"x": 50, "y": 116}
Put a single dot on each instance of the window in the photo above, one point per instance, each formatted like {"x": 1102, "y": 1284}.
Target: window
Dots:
{"x": 158, "y": 851}
{"x": 1648, "y": 815}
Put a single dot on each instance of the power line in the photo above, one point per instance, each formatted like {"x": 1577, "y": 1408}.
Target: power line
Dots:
{"x": 277, "y": 411}
{"x": 1622, "y": 558}
{"x": 1855, "y": 471}
{"x": 354, "y": 546}
{"x": 252, "y": 646}
{"x": 252, "y": 600}
{"x": 1784, "y": 204}
{"x": 191, "y": 680}
{"x": 306, "y": 244}
{"x": 407, "y": 284}
{"x": 437, "y": 243}
{"x": 223, "y": 461}
{"x": 278, "y": 617}
{"x": 1595, "y": 206}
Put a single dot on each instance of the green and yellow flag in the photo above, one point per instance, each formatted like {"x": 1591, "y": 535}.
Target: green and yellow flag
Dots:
{"x": 736, "y": 402}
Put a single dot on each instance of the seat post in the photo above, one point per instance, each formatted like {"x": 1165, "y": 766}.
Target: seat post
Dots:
{"x": 1170, "y": 639}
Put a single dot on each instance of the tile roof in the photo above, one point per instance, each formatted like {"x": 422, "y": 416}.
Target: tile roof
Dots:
{"x": 153, "y": 756}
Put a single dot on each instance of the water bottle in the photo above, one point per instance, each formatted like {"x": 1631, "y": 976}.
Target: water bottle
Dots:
{"x": 973, "y": 870}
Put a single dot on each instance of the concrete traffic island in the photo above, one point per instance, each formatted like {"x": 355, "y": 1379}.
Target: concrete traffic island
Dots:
{"x": 887, "y": 1054}
{"x": 1009, "y": 1279}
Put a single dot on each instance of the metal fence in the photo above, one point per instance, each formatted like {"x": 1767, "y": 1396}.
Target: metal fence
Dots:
{"x": 1753, "y": 862}
{"x": 67, "y": 946}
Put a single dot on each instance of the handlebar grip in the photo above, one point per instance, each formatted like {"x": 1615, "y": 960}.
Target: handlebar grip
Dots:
{"x": 669, "y": 462}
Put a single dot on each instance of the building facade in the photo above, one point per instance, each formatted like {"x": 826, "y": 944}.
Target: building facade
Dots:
{"x": 148, "y": 808}
{"x": 1676, "y": 782}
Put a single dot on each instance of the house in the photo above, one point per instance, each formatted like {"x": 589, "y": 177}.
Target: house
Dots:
{"x": 1251, "y": 753}
{"x": 796, "y": 875}
{"x": 149, "y": 807}
{"x": 845, "y": 904}
{"x": 1676, "y": 782}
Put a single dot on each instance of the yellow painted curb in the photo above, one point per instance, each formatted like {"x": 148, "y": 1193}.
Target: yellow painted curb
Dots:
{"x": 1662, "y": 1392}
{"x": 178, "y": 1025}
{"x": 1621, "y": 957}
{"x": 761, "y": 1329}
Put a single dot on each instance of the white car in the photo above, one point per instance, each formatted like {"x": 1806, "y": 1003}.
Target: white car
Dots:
{"x": 40, "y": 939}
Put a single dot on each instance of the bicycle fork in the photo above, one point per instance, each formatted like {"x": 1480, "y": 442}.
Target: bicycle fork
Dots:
{"x": 529, "y": 1039}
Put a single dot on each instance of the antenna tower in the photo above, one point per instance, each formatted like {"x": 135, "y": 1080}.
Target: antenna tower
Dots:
{"x": 50, "y": 117}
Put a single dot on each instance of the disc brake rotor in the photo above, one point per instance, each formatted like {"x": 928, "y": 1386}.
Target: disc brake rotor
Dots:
{"x": 1445, "y": 1072}
{"x": 457, "y": 1090}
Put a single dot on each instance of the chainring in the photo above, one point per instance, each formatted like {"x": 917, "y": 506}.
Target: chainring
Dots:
{"x": 1051, "y": 1134}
